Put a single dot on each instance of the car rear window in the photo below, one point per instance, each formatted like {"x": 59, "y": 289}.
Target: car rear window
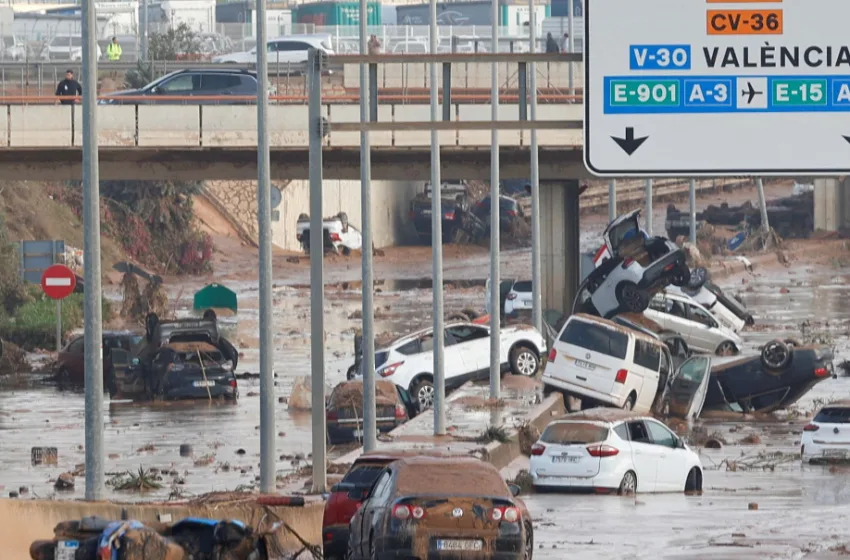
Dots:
{"x": 834, "y": 415}
{"x": 364, "y": 475}
{"x": 596, "y": 338}
{"x": 522, "y": 286}
{"x": 647, "y": 355}
{"x": 450, "y": 478}
{"x": 381, "y": 358}
{"x": 574, "y": 432}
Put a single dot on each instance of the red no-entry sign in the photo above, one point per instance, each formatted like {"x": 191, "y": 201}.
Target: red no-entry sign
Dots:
{"x": 58, "y": 281}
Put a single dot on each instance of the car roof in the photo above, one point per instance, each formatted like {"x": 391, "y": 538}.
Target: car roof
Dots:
{"x": 840, "y": 403}
{"x": 390, "y": 455}
{"x": 304, "y": 37}
{"x": 614, "y": 326}
{"x": 604, "y": 414}
{"x": 414, "y": 335}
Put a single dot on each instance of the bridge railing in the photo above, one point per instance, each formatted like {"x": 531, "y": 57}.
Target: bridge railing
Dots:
{"x": 395, "y": 75}
{"x": 41, "y": 122}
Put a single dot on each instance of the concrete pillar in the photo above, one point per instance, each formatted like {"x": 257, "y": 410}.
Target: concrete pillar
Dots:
{"x": 559, "y": 235}
{"x": 832, "y": 204}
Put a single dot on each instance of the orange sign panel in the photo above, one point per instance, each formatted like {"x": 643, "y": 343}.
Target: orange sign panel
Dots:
{"x": 743, "y": 22}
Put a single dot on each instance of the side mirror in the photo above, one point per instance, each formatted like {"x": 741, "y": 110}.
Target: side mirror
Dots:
{"x": 515, "y": 490}
{"x": 680, "y": 443}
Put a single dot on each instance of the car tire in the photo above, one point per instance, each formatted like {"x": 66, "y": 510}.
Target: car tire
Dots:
{"x": 726, "y": 348}
{"x": 694, "y": 481}
{"x": 631, "y": 297}
{"x": 698, "y": 277}
{"x": 351, "y": 373}
{"x": 346, "y": 251}
{"x": 628, "y": 486}
{"x": 423, "y": 392}
{"x": 630, "y": 402}
{"x": 528, "y": 552}
{"x": 775, "y": 355}
{"x": 524, "y": 361}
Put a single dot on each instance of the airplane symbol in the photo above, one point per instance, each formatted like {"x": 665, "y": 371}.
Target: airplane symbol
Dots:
{"x": 750, "y": 92}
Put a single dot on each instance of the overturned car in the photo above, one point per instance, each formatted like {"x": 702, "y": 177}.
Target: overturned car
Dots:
{"x": 631, "y": 267}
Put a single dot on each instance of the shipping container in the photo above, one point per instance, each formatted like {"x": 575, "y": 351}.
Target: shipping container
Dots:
{"x": 337, "y": 13}
{"x": 513, "y": 14}
{"x": 199, "y": 15}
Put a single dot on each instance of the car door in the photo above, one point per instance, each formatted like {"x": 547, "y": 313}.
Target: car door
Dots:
{"x": 688, "y": 388}
{"x": 182, "y": 85}
{"x": 671, "y": 314}
{"x": 703, "y": 337}
{"x": 473, "y": 345}
{"x": 219, "y": 84}
{"x": 645, "y": 455}
{"x": 373, "y": 508}
{"x": 458, "y": 370}
{"x": 670, "y": 472}
{"x": 453, "y": 365}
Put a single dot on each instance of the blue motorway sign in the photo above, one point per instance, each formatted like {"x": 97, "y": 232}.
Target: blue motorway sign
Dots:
{"x": 701, "y": 87}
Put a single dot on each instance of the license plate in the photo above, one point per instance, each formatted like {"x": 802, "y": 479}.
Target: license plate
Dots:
{"x": 585, "y": 365}
{"x": 526, "y": 302}
{"x": 204, "y": 383}
{"x": 66, "y": 550}
{"x": 426, "y": 212}
{"x": 565, "y": 459}
{"x": 457, "y": 544}
{"x": 358, "y": 433}
{"x": 834, "y": 453}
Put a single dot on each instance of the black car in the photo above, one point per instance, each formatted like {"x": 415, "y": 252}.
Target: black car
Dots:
{"x": 771, "y": 381}
{"x": 190, "y": 370}
{"x": 454, "y": 201}
{"x": 173, "y": 88}
{"x": 510, "y": 212}
{"x": 344, "y": 410}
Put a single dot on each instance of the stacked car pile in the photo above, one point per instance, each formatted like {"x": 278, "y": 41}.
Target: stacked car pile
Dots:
{"x": 639, "y": 317}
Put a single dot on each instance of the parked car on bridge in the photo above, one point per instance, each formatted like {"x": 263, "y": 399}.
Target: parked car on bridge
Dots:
{"x": 66, "y": 48}
{"x": 616, "y": 451}
{"x": 291, "y": 49}
{"x": 209, "y": 82}
{"x": 409, "y": 361}
{"x": 423, "y": 507}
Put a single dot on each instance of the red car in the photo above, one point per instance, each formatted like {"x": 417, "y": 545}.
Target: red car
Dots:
{"x": 70, "y": 366}
{"x": 345, "y": 498}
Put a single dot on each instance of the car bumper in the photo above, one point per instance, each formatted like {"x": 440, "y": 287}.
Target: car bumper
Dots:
{"x": 824, "y": 453}
{"x": 583, "y": 392}
{"x": 543, "y": 477}
{"x": 658, "y": 274}
{"x": 191, "y": 392}
{"x": 506, "y": 548}
{"x": 334, "y": 542}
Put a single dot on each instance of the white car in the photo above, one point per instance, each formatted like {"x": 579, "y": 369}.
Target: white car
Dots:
{"x": 700, "y": 329}
{"x": 409, "y": 361}
{"x": 514, "y": 294}
{"x": 827, "y": 437}
{"x": 340, "y": 237}
{"x": 728, "y": 309}
{"x": 632, "y": 267}
{"x": 283, "y": 50}
{"x": 611, "y": 450}
{"x": 66, "y": 47}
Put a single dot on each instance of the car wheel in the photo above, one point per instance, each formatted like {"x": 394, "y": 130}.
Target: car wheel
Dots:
{"x": 529, "y": 542}
{"x": 423, "y": 392}
{"x": 628, "y": 485}
{"x": 352, "y": 371}
{"x": 630, "y": 402}
{"x": 726, "y": 348}
{"x": 775, "y": 355}
{"x": 63, "y": 377}
{"x": 698, "y": 277}
{"x": 631, "y": 297}
{"x": 694, "y": 481}
{"x": 346, "y": 251}
{"x": 524, "y": 361}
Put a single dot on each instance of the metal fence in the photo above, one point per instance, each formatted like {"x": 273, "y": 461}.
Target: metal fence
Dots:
{"x": 44, "y": 40}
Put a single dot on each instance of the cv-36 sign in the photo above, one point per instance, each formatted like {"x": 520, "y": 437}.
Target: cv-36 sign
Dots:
{"x": 700, "y": 87}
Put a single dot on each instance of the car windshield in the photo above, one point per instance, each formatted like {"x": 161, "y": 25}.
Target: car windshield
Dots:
{"x": 568, "y": 433}
{"x": 833, "y": 415}
{"x": 363, "y": 475}
{"x": 596, "y": 338}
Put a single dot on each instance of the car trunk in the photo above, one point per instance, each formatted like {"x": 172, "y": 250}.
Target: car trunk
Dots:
{"x": 459, "y": 524}
{"x": 566, "y": 448}
{"x": 194, "y": 375}
{"x": 593, "y": 354}
{"x": 833, "y": 429}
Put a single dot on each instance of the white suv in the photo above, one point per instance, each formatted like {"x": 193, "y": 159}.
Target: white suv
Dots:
{"x": 700, "y": 329}
{"x": 409, "y": 361}
{"x": 827, "y": 437}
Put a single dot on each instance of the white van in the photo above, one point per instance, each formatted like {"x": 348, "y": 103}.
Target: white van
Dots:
{"x": 596, "y": 359}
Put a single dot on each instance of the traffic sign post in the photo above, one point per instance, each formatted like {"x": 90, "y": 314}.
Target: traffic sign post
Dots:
{"x": 58, "y": 282}
{"x": 699, "y": 87}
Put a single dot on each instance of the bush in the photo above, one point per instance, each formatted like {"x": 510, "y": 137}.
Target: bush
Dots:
{"x": 33, "y": 324}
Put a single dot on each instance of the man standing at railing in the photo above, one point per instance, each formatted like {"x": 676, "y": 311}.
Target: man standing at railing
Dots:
{"x": 69, "y": 87}
{"x": 113, "y": 51}
{"x": 374, "y": 45}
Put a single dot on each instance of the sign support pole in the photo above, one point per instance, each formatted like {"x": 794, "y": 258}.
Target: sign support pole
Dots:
{"x": 536, "y": 266}
{"x": 58, "y": 325}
